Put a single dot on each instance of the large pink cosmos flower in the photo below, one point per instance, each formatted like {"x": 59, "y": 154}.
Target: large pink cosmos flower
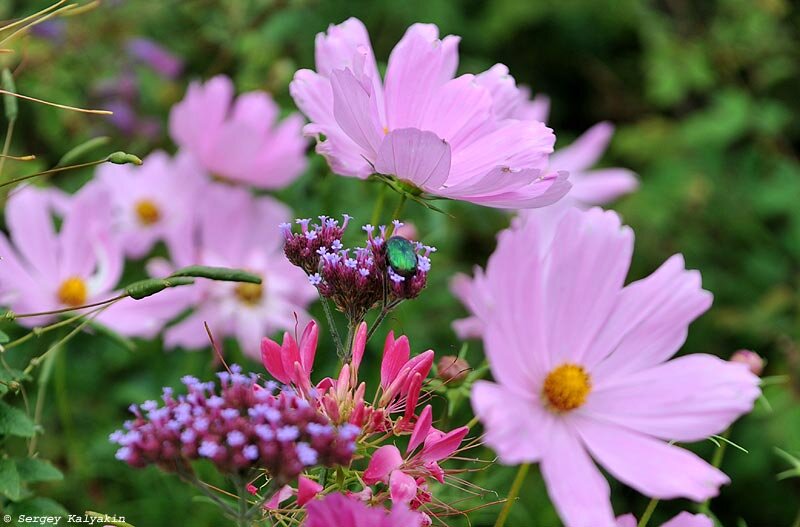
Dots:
{"x": 152, "y": 202}
{"x": 236, "y": 230}
{"x": 420, "y": 125}
{"x": 241, "y": 141}
{"x": 684, "y": 519}
{"x": 338, "y": 510}
{"x": 583, "y": 371}
{"x": 80, "y": 264}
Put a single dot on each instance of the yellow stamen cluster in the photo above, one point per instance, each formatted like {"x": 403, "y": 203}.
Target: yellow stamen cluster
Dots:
{"x": 566, "y": 388}
{"x": 249, "y": 294}
{"x": 72, "y": 292}
{"x": 147, "y": 212}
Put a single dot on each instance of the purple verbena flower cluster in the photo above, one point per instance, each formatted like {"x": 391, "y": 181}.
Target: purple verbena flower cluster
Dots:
{"x": 355, "y": 279}
{"x": 241, "y": 426}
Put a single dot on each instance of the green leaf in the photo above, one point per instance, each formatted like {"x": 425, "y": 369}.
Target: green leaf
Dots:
{"x": 15, "y": 422}
{"x": 10, "y": 482}
{"x": 4, "y": 338}
{"x": 75, "y": 154}
{"x": 218, "y": 273}
{"x": 107, "y": 519}
{"x": 33, "y": 470}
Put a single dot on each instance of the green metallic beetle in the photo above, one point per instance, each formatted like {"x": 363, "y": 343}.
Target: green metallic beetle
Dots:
{"x": 401, "y": 255}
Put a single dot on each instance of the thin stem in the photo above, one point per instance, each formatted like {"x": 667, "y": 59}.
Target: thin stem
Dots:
{"x": 399, "y": 208}
{"x": 7, "y": 143}
{"x": 332, "y": 323}
{"x": 522, "y": 473}
{"x": 648, "y": 512}
{"x": 34, "y": 15}
{"x": 378, "y": 209}
{"x": 40, "y": 330}
{"x": 37, "y": 21}
{"x": 716, "y": 462}
{"x": 57, "y": 105}
{"x": 66, "y": 309}
{"x": 52, "y": 171}
{"x": 89, "y": 318}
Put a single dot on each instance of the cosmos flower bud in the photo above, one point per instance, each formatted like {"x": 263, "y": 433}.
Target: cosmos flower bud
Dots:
{"x": 751, "y": 359}
{"x": 452, "y": 370}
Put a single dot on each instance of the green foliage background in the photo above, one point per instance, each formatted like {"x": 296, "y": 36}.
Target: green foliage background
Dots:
{"x": 705, "y": 97}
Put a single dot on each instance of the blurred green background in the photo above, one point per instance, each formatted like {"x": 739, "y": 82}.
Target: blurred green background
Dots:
{"x": 705, "y": 98}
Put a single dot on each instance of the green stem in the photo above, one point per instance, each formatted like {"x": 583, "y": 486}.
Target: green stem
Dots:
{"x": 332, "y": 323}
{"x": 648, "y": 512}
{"x": 7, "y": 143}
{"x": 52, "y": 171}
{"x": 512, "y": 494}
{"x": 399, "y": 208}
{"x": 11, "y": 315}
{"x": 378, "y": 209}
{"x": 716, "y": 462}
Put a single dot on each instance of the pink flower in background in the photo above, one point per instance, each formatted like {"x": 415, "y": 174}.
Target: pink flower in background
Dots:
{"x": 151, "y": 202}
{"x": 236, "y": 230}
{"x": 156, "y": 56}
{"x": 582, "y": 369}
{"x": 683, "y": 519}
{"x": 80, "y": 264}
{"x": 239, "y": 140}
{"x": 421, "y": 125}
{"x": 589, "y": 187}
{"x": 338, "y": 510}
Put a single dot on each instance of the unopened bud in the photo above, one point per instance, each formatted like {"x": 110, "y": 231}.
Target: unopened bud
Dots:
{"x": 752, "y": 359}
{"x": 452, "y": 370}
{"x": 123, "y": 158}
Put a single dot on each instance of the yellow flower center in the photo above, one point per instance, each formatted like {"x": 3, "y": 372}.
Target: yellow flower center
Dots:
{"x": 566, "y": 387}
{"x": 147, "y": 212}
{"x": 72, "y": 292}
{"x": 248, "y": 293}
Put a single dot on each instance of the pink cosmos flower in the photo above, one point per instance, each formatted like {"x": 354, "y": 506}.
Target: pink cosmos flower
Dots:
{"x": 589, "y": 186}
{"x": 582, "y": 369}
{"x": 421, "y": 125}
{"x": 240, "y": 140}
{"x": 80, "y": 264}
{"x": 338, "y": 510}
{"x": 683, "y": 519}
{"x": 236, "y": 230}
{"x": 151, "y": 202}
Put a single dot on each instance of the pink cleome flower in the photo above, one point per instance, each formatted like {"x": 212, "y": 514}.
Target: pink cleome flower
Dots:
{"x": 338, "y": 510}
{"x": 435, "y": 133}
{"x": 582, "y": 368}
{"x": 239, "y": 140}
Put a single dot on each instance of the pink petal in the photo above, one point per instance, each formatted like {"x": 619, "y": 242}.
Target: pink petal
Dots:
{"x": 356, "y": 112}
{"x": 421, "y": 429}
{"x": 359, "y": 345}
{"x": 308, "y": 346}
{"x": 402, "y": 487}
{"x": 585, "y": 151}
{"x": 279, "y": 497}
{"x": 598, "y": 187}
{"x": 459, "y": 110}
{"x": 651, "y": 466}
{"x": 650, "y": 321}
{"x": 578, "y": 490}
{"x": 418, "y": 65}
{"x": 628, "y": 520}
{"x": 271, "y": 359}
{"x": 416, "y": 156}
{"x": 685, "y": 399}
{"x": 444, "y": 447}
{"x": 506, "y": 417}
{"x": 307, "y": 490}
{"x": 30, "y": 223}
{"x": 581, "y": 295}
{"x": 384, "y": 460}
{"x": 395, "y": 356}
{"x": 686, "y": 519}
